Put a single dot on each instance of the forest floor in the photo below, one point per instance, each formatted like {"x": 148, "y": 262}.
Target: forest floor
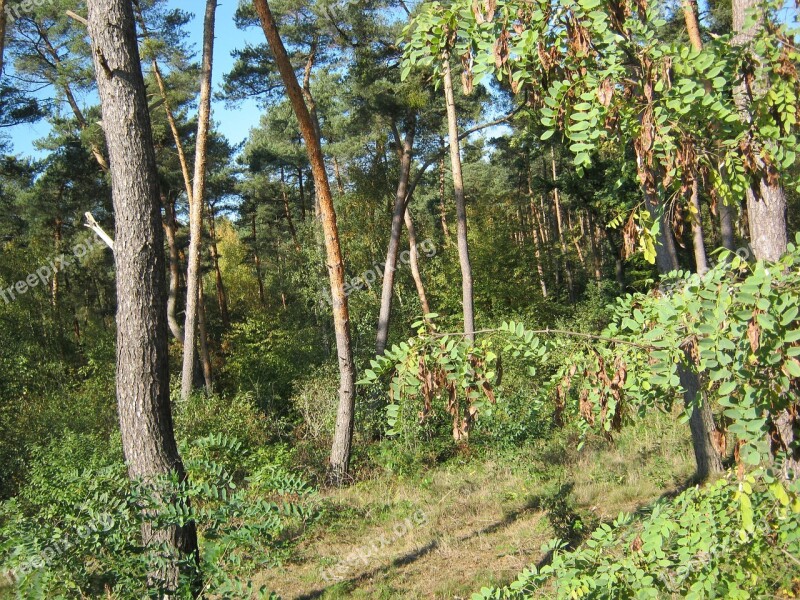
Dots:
{"x": 470, "y": 523}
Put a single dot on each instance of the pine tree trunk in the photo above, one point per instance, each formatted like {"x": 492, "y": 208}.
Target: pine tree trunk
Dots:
{"x": 534, "y": 230}
{"x": 343, "y": 433}
{"x": 414, "y": 260}
{"x": 461, "y": 205}
{"x": 170, "y": 228}
{"x": 287, "y": 211}
{"x": 698, "y": 239}
{"x": 766, "y": 212}
{"x": 257, "y": 262}
{"x": 222, "y": 296}
{"x": 443, "y": 204}
{"x": 707, "y": 458}
{"x": 205, "y": 354}
{"x": 405, "y": 151}
{"x": 726, "y": 217}
{"x": 142, "y": 357}
{"x": 197, "y": 201}
{"x": 562, "y": 243}
{"x": 596, "y": 256}
{"x": 2, "y": 33}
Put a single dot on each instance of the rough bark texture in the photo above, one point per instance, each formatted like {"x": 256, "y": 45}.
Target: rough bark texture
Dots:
{"x": 461, "y": 204}
{"x": 405, "y": 152}
{"x": 766, "y": 202}
{"x": 205, "y": 355}
{"x": 196, "y": 203}
{"x": 170, "y": 229}
{"x": 142, "y": 360}
{"x": 726, "y": 216}
{"x": 343, "y": 433}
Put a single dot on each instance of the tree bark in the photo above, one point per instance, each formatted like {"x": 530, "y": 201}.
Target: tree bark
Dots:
{"x": 142, "y": 356}
{"x": 461, "y": 204}
{"x": 343, "y": 433}
{"x": 562, "y": 243}
{"x": 222, "y": 296}
{"x": 414, "y": 260}
{"x": 443, "y": 204}
{"x": 698, "y": 239}
{"x": 596, "y": 256}
{"x": 205, "y": 354}
{"x": 196, "y": 202}
{"x": 701, "y": 421}
{"x": 766, "y": 210}
{"x": 170, "y": 229}
{"x": 766, "y": 201}
{"x": 726, "y": 216}
{"x": 405, "y": 150}
{"x": 535, "y": 231}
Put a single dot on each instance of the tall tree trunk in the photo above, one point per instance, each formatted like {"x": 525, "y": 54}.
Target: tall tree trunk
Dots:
{"x": 534, "y": 230}
{"x": 405, "y": 150}
{"x": 302, "y": 193}
{"x": 257, "y": 261}
{"x": 197, "y": 201}
{"x": 142, "y": 356}
{"x": 205, "y": 354}
{"x": 2, "y": 33}
{"x": 337, "y": 171}
{"x": 170, "y": 229}
{"x": 222, "y": 296}
{"x": 461, "y": 204}
{"x": 287, "y": 211}
{"x": 343, "y": 433}
{"x": 726, "y": 217}
{"x": 708, "y": 459}
{"x": 597, "y": 258}
{"x": 698, "y": 239}
{"x": 562, "y": 243}
{"x": 58, "y": 234}
{"x": 443, "y": 203}
{"x": 766, "y": 210}
{"x": 414, "y": 260}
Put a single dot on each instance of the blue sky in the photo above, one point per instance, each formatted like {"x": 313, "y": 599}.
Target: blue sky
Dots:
{"x": 234, "y": 123}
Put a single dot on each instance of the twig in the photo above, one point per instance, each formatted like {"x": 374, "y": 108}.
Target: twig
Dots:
{"x": 549, "y": 331}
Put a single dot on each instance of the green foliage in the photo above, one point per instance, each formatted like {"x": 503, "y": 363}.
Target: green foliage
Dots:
{"x": 732, "y": 539}
{"x": 73, "y": 528}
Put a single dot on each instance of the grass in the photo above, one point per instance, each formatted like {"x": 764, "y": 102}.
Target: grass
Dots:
{"x": 485, "y": 518}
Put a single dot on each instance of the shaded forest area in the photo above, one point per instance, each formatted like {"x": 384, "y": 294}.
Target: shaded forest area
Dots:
{"x": 498, "y": 300}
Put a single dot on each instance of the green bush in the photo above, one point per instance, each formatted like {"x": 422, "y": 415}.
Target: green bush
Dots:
{"x": 73, "y": 530}
{"x": 732, "y": 539}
